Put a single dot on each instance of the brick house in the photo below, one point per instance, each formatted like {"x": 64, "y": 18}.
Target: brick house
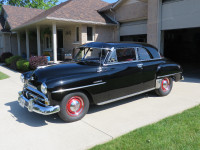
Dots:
{"x": 27, "y": 31}
{"x": 170, "y": 25}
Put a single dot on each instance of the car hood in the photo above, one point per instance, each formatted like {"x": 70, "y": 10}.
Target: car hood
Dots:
{"x": 61, "y": 70}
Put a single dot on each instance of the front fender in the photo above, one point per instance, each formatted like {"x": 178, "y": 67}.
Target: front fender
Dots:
{"x": 70, "y": 82}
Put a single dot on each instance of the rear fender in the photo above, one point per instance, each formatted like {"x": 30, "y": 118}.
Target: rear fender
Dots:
{"x": 169, "y": 70}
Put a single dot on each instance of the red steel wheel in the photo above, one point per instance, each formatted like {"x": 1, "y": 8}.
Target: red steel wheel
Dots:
{"x": 75, "y": 106}
{"x": 165, "y": 87}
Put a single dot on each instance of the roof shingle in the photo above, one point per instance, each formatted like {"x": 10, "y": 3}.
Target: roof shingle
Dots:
{"x": 73, "y": 10}
{"x": 108, "y": 7}
{"x": 79, "y": 10}
{"x": 18, "y": 15}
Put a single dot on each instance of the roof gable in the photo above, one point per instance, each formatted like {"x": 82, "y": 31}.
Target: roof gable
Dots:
{"x": 74, "y": 10}
{"x": 16, "y": 16}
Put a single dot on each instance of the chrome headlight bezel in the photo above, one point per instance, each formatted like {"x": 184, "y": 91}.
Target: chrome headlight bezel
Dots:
{"x": 22, "y": 78}
{"x": 44, "y": 88}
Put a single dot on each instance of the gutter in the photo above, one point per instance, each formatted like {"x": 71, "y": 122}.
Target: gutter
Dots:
{"x": 10, "y": 42}
{"x": 63, "y": 19}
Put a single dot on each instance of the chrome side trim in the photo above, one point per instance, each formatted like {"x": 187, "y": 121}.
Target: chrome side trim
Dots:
{"x": 168, "y": 75}
{"x": 123, "y": 97}
{"x": 76, "y": 88}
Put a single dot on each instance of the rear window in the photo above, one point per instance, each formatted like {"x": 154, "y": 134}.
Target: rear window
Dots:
{"x": 143, "y": 54}
{"x": 155, "y": 54}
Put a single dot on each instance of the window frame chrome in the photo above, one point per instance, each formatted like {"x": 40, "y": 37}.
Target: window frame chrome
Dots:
{"x": 126, "y": 62}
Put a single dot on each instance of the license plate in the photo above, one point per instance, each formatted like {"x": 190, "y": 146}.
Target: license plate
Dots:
{"x": 21, "y": 102}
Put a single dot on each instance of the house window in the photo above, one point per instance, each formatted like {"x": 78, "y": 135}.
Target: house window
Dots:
{"x": 89, "y": 34}
{"x": 48, "y": 42}
{"x": 77, "y": 34}
{"x": 168, "y": 1}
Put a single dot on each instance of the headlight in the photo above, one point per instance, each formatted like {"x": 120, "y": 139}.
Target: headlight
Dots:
{"x": 44, "y": 88}
{"x": 22, "y": 78}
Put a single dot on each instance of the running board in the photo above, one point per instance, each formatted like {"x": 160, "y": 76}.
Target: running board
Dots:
{"x": 127, "y": 96}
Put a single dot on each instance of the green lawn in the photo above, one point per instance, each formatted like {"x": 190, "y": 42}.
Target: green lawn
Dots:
{"x": 3, "y": 76}
{"x": 179, "y": 132}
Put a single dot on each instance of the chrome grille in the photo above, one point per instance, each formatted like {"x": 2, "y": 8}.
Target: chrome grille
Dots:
{"x": 31, "y": 92}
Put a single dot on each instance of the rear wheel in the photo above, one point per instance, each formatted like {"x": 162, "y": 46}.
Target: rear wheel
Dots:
{"x": 166, "y": 87}
{"x": 73, "y": 107}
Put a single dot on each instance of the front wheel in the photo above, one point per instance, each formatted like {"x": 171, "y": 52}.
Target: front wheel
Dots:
{"x": 166, "y": 87}
{"x": 73, "y": 107}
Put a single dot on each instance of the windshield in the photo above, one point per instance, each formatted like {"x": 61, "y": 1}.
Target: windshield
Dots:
{"x": 94, "y": 55}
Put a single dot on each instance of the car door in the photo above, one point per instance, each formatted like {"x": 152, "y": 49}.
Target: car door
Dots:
{"x": 149, "y": 67}
{"x": 122, "y": 75}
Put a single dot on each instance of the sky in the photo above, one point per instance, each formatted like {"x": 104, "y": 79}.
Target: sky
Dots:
{"x": 109, "y": 1}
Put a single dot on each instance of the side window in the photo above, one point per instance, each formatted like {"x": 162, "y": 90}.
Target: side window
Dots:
{"x": 127, "y": 54}
{"x": 123, "y": 55}
{"x": 143, "y": 54}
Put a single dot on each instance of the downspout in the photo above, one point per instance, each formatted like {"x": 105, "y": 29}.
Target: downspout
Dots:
{"x": 118, "y": 24}
{"x": 10, "y": 42}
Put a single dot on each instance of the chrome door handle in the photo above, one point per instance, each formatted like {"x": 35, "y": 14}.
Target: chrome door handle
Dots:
{"x": 140, "y": 65}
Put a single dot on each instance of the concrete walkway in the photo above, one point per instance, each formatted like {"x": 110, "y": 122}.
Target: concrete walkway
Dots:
{"x": 22, "y": 130}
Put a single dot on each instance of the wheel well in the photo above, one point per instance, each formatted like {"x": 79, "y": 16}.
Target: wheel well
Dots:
{"x": 86, "y": 93}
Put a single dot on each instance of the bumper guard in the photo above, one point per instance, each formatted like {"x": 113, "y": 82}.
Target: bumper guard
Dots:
{"x": 33, "y": 107}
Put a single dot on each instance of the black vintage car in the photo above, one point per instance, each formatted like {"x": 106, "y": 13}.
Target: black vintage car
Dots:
{"x": 101, "y": 73}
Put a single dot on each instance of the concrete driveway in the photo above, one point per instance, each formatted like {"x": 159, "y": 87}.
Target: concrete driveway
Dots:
{"x": 22, "y": 130}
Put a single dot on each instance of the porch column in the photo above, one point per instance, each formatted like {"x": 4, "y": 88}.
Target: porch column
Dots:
{"x": 18, "y": 44}
{"x": 54, "y": 43}
{"x": 38, "y": 41}
{"x": 27, "y": 44}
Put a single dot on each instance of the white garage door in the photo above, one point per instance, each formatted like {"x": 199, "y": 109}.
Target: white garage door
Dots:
{"x": 180, "y": 14}
{"x": 133, "y": 28}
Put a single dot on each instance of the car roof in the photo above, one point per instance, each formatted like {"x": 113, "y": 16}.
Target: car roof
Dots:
{"x": 116, "y": 45}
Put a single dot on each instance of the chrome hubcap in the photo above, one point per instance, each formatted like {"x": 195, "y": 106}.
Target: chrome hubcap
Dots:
{"x": 165, "y": 84}
{"x": 75, "y": 106}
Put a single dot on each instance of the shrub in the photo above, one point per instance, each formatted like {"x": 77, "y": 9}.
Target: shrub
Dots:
{"x": 36, "y": 61}
{"x": 6, "y": 55}
{"x": 23, "y": 65}
{"x": 20, "y": 64}
{"x": 13, "y": 65}
{"x": 26, "y": 66}
{"x": 12, "y": 59}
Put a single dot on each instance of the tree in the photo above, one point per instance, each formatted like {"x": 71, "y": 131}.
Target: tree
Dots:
{"x": 40, "y": 4}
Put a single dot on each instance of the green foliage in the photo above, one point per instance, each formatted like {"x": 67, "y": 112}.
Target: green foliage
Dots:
{"x": 12, "y": 59}
{"x": 23, "y": 65}
{"x": 179, "y": 132}
{"x": 20, "y": 64}
{"x": 26, "y": 66}
{"x": 39, "y": 4}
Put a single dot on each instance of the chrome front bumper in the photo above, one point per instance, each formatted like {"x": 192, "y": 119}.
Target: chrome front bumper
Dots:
{"x": 33, "y": 107}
